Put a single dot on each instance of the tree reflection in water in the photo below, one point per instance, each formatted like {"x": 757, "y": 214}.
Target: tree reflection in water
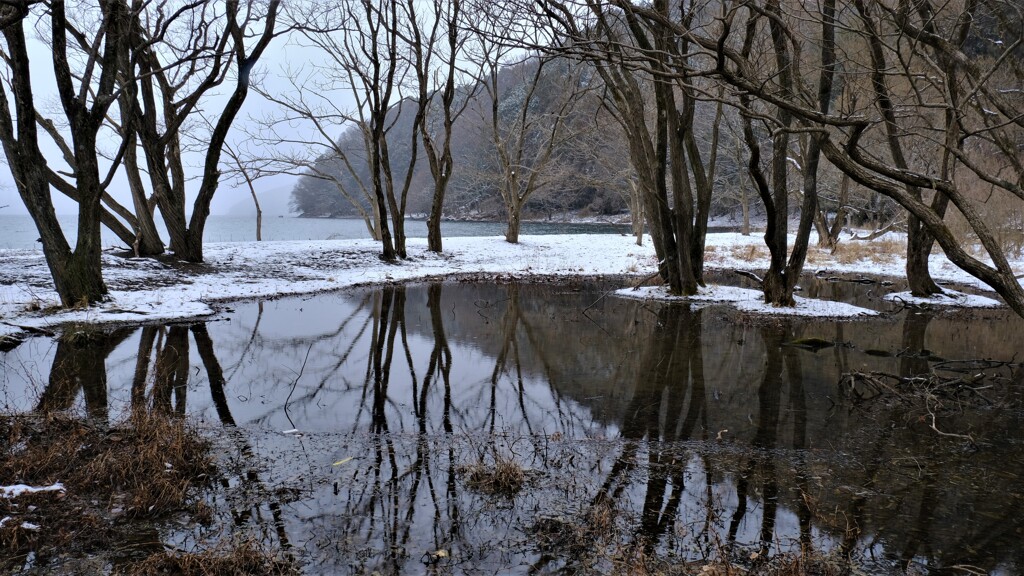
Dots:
{"x": 694, "y": 432}
{"x": 79, "y": 365}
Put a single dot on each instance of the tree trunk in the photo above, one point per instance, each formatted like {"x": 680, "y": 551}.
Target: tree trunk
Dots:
{"x": 828, "y": 235}
{"x": 745, "y": 208}
{"x": 434, "y": 219}
{"x": 147, "y": 239}
{"x": 658, "y": 206}
{"x": 76, "y": 275}
{"x": 775, "y": 288}
{"x": 672, "y": 124}
{"x": 375, "y": 229}
{"x": 170, "y": 196}
{"x": 399, "y": 224}
{"x": 783, "y": 273}
{"x": 79, "y": 280}
{"x": 256, "y": 202}
{"x": 636, "y": 212}
{"x": 514, "y": 224}
{"x": 190, "y": 248}
{"x": 388, "y": 253}
{"x": 919, "y": 248}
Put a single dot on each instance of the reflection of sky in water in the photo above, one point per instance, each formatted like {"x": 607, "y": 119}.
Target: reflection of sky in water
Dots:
{"x": 314, "y": 354}
{"x": 526, "y": 364}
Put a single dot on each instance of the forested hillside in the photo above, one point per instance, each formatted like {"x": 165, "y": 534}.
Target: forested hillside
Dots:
{"x": 589, "y": 175}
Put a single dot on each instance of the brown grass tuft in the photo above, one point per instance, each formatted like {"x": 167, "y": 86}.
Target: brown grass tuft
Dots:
{"x": 873, "y": 250}
{"x": 141, "y": 468}
{"x": 751, "y": 253}
{"x": 149, "y": 461}
{"x": 504, "y": 478}
{"x": 232, "y": 558}
{"x": 588, "y": 531}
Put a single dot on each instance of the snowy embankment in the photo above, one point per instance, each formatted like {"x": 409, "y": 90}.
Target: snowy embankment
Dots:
{"x": 148, "y": 290}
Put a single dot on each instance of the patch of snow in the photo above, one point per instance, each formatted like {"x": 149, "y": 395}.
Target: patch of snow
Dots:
{"x": 947, "y": 298}
{"x": 150, "y": 290}
{"x": 15, "y": 490}
{"x": 710, "y": 294}
{"x": 752, "y": 301}
{"x": 25, "y": 525}
{"x": 807, "y": 307}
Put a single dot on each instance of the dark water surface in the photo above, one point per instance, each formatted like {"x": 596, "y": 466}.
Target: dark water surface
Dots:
{"x": 643, "y": 430}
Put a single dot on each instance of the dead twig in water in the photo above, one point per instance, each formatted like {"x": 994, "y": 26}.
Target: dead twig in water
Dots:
{"x": 934, "y": 425}
{"x": 295, "y": 384}
{"x": 934, "y": 393}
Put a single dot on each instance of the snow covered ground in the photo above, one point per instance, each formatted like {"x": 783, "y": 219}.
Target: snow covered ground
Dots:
{"x": 147, "y": 290}
{"x": 751, "y": 301}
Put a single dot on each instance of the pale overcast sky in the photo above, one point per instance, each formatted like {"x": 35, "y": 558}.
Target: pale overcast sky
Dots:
{"x": 229, "y": 199}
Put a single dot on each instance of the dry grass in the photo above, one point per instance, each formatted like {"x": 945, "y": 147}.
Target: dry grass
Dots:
{"x": 635, "y": 561}
{"x": 751, "y": 253}
{"x": 852, "y": 251}
{"x": 503, "y": 478}
{"x": 846, "y": 252}
{"x": 580, "y": 536}
{"x": 147, "y": 463}
{"x": 141, "y": 468}
{"x": 232, "y": 558}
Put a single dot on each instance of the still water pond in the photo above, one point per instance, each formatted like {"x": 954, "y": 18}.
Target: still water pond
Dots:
{"x": 641, "y": 430}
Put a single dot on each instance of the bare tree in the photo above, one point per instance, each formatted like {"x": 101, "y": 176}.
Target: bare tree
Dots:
{"x": 962, "y": 117}
{"x": 979, "y": 109}
{"x": 918, "y": 240}
{"x": 85, "y": 95}
{"x": 532, "y": 116}
{"x": 314, "y": 135}
{"x": 437, "y": 44}
{"x": 785, "y": 267}
{"x": 246, "y": 171}
{"x": 980, "y": 120}
{"x": 637, "y": 56}
{"x": 524, "y": 139}
{"x": 180, "y": 55}
{"x": 366, "y": 55}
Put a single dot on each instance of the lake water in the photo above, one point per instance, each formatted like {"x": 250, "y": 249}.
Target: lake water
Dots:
{"x": 669, "y": 431}
{"x": 20, "y": 231}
